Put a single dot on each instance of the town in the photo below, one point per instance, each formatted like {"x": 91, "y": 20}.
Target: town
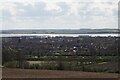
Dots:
{"x": 61, "y": 52}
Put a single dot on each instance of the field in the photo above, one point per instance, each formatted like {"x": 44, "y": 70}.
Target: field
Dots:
{"x": 33, "y": 73}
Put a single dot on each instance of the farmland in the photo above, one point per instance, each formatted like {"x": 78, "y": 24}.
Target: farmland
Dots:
{"x": 28, "y": 73}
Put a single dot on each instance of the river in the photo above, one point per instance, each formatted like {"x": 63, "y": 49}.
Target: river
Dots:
{"x": 54, "y": 35}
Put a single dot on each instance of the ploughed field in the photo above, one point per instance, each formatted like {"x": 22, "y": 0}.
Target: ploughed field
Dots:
{"x": 37, "y": 73}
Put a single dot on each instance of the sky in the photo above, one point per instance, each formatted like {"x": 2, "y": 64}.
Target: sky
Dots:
{"x": 58, "y": 14}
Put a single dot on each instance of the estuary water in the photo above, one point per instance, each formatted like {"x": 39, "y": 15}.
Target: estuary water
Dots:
{"x": 54, "y": 35}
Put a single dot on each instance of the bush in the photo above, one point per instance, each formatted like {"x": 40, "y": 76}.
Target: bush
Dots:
{"x": 11, "y": 64}
{"x": 67, "y": 66}
{"x": 34, "y": 66}
{"x": 26, "y": 65}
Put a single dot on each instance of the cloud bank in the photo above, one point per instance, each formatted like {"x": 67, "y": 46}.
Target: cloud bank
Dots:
{"x": 59, "y": 14}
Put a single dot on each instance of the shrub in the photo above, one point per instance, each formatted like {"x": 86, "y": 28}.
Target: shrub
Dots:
{"x": 11, "y": 64}
{"x": 26, "y": 65}
{"x": 34, "y": 66}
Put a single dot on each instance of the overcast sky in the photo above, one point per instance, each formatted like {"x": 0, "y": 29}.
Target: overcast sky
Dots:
{"x": 58, "y": 14}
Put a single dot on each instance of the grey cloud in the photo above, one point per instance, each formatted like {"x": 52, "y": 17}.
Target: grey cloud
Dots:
{"x": 115, "y": 12}
{"x": 35, "y": 13}
{"x": 39, "y": 10}
{"x": 6, "y": 15}
{"x": 95, "y": 11}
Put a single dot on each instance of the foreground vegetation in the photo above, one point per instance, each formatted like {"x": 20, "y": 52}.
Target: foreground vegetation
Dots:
{"x": 83, "y": 53}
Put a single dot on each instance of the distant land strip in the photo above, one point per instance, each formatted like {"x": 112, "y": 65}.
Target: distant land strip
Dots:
{"x": 62, "y": 31}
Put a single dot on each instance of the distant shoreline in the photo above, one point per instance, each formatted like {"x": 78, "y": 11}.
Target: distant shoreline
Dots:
{"x": 62, "y": 31}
